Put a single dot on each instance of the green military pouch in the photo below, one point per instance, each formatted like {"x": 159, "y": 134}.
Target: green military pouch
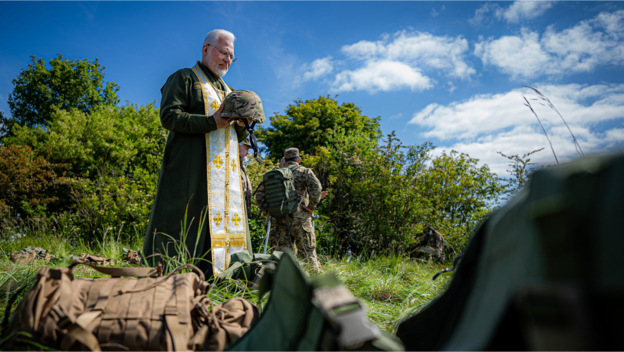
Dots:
{"x": 244, "y": 267}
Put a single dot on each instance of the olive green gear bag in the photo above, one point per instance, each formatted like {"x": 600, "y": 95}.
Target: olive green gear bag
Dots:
{"x": 544, "y": 272}
{"x": 245, "y": 268}
{"x": 311, "y": 314}
{"x": 149, "y": 313}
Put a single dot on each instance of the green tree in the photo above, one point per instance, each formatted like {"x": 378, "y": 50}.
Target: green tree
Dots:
{"x": 521, "y": 169}
{"x": 383, "y": 196}
{"x": 460, "y": 194}
{"x": 127, "y": 138}
{"x": 40, "y": 91}
{"x": 111, "y": 157}
{"x": 307, "y": 125}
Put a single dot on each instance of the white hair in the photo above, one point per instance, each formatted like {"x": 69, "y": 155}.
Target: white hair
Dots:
{"x": 213, "y": 36}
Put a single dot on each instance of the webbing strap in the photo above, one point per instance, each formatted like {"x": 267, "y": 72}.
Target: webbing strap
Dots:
{"x": 77, "y": 333}
{"x": 177, "y": 333}
{"x": 106, "y": 290}
{"x": 94, "y": 293}
{"x": 175, "y": 317}
{"x": 134, "y": 311}
{"x": 50, "y": 301}
{"x": 164, "y": 279}
{"x": 343, "y": 309}
{"x": 157, "y": 316}
{"x": 118, "y": 272}
{"x": 86, "y": 318}
{"x": 106, "y": 326}
{"x": 182, "y": 292}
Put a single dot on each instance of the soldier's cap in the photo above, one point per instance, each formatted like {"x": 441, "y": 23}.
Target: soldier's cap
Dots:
{"x": 291, "y": 153}
{"x": 243, "y": 104}
{"x": 246, "y": 142}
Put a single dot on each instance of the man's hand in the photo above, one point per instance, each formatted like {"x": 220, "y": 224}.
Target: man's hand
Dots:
{"x": 323, "y": 194}
{"x": 240, "y": 122}
{"x": 221, "y": 122}
{"x": 308, "y": 210}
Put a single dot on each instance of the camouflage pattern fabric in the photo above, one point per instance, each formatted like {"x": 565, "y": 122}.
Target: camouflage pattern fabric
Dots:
{"x": 291, "y": 153}
{"x": 302, "y": 242}
{"x": 243, "y": 104}
{"x": 309, "y": 188}
{"x": 246, "y": 185}
{"x": 25, "y": 254}
{"x": 131, "y": 257}
{"x": 431, "y": 244}
{"x": 93, "y": 259}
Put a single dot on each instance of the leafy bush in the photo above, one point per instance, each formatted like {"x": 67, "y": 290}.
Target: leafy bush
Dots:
{"x": 28, "y": 182}
{"x": 111, "y": 158}
{"x": 382, "y": 197}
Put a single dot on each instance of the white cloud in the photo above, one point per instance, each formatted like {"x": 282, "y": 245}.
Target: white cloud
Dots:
{"x": 481, "y": 14}
{"x": 521, "y": 10}
{"x": 578, "y": 49}
{"x": 317, "y": 69}
{"x": 514, "y": 13}
{"x": 485, "y": 124}
{"x": 434, "y": 13}
{"x": 382, "y": 76}
{"x": 404, "y": 60}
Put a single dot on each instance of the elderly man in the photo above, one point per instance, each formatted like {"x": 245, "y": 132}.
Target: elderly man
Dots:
{"x": 201, "y": 143}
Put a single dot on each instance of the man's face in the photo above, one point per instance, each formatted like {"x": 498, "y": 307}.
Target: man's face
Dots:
{"x": 243, "y": 150}
{"x": 213, "y": 58}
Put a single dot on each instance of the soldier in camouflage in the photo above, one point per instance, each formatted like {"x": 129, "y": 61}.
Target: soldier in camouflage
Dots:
{"x": 303, "y": 240}
{"x": 243, "y": 151}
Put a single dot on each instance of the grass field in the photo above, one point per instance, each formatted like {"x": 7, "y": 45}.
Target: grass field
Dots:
{"x": 390, "y": 286}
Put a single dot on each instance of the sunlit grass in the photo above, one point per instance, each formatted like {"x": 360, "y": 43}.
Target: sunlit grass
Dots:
{"x": 389, "y": 286}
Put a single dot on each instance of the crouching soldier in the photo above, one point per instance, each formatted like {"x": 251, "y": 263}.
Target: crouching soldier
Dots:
{"x": 301, "y": 240}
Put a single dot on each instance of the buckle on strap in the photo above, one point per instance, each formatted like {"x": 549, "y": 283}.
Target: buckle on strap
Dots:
{"x": 348, "y": 314}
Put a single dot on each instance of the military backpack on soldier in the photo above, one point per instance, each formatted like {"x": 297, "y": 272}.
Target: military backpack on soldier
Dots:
{"x": 281, "y": 196}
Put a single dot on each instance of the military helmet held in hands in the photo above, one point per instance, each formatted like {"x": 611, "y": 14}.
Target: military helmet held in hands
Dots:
{"x": 243, "y": 104}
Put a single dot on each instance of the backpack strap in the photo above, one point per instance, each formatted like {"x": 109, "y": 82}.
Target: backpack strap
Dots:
{"x": 254, "y": 192}
{"x": 119, "y": 272}
{"x": 343, "y": 310}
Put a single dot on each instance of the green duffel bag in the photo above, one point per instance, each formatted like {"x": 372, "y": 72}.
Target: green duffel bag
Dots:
{"x": 311, "y": 314}
{"x": 244, "y": 267}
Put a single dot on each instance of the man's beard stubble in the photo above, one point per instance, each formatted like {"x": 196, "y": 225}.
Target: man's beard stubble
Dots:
{"x": 218, "y": 72}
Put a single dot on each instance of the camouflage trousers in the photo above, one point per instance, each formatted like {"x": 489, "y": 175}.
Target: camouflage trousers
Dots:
{"x": 302, "y": 241}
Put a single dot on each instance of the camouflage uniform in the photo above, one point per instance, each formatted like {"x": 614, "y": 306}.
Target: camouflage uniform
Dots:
{"x": 431, "y": 244}
{"x": 303, "y": 239}
{"x": 245, "y": 181}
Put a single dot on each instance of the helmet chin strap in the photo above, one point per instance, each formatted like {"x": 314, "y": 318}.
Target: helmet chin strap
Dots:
{"x": 252, "y": 138}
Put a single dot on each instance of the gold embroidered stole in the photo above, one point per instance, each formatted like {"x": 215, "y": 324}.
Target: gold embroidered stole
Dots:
{"x": 226, "y": 205}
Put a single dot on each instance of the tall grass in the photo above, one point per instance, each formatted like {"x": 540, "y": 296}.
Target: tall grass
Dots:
{"x": 544, "y": 101}
{"x": 389, "y": 286}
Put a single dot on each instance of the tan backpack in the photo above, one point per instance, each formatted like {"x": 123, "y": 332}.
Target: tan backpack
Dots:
{"x": 149, "y": 313}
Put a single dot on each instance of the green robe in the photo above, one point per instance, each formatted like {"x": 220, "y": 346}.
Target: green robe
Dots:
{"x": 183, "y": 174}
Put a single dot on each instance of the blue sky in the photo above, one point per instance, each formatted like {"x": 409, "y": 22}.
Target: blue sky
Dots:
{"x": 446, "y": 72}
